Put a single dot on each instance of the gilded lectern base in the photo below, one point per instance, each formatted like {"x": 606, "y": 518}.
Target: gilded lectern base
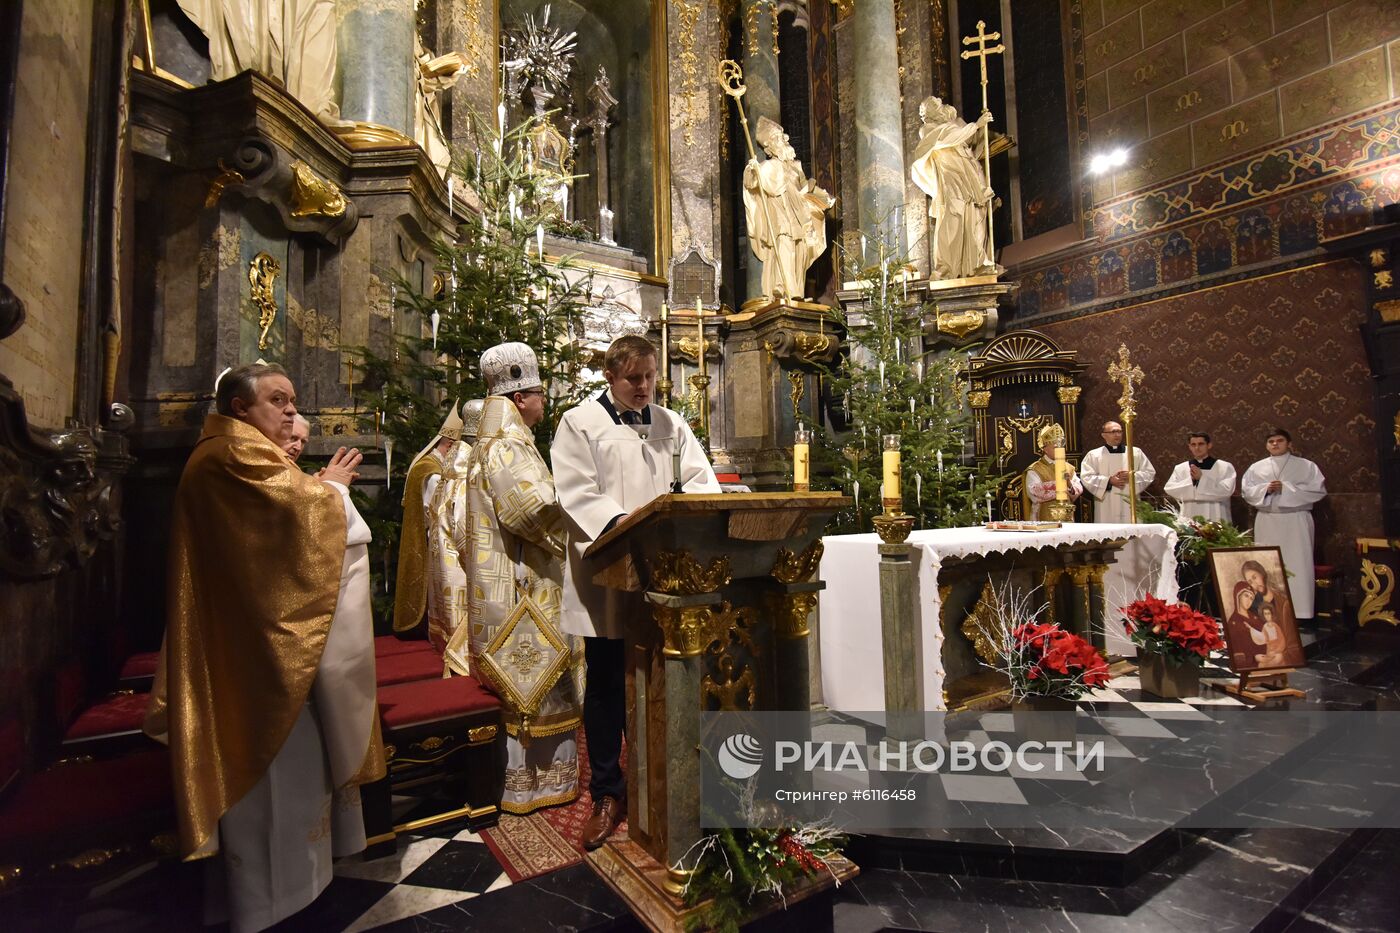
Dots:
{"x": 643, "y": 883}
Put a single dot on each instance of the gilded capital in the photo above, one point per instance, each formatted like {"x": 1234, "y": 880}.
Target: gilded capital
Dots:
{"x": 979, "y": 399}
{"x": 678, "y": 573}
{"x": 687, "y": 631}
{"x": 1069, "y": 395}
{"x": 790, "y": 612}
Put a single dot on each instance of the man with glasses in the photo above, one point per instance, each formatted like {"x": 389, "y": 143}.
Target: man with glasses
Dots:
{"x": 1104, "y": 472}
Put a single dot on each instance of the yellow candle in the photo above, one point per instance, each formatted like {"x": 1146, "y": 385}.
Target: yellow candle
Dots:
{"x": 802, "y": 460}
{"x": 700, "y": 329}
{"x": 891, "y": 491}
{"x": 1061, "y": 480}
{"x": 665, "y": 358}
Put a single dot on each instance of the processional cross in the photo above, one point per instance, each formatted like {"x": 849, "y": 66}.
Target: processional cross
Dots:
{"x": 980, "y": 53}
{"x": 1128, "y": 375}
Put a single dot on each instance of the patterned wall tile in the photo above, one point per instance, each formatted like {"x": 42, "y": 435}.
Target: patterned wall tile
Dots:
{"x": 1361, "y": 25}
{"x": 1112, "y": 44}
{"x": 1290, "y": 13}
{"x": 1116, "y": 9}
{"x": 1237, "y": 129}
{"x": 1191, "y": 98}
{"x": 1341, "y": 89}
{"x": 1287, "y": 56}
{"x": 1163, "y": 157}
{"x": 1146, "y": 71}
{"x": 1260, "y": 368}
{"x": 1162, "y": 18}
{"x": 1234, "y": 29}
{"x": 1096, "y": 95}
{"x": 1123, "y": 126}
{"x": 1092, "y": 11}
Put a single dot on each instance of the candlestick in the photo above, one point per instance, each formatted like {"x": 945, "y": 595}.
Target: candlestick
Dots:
{"x": 676, "y": 469}
{"x": 1061, "y": 482}
{"x": 665, "y": 347}
{"x": 892, "y": 495}
{"x": 700, "y": 331}
{"x": 801, "y": 459}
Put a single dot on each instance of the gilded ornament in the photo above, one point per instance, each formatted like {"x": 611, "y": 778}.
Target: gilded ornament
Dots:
{"x": 524, "y": 657}
{"x": 979, "y": 399}
{"x": 312, "y": 195}
{"x": 733, "y": 631}
{"x": 1384, "y": 279}
{"x": 1068, "y": 395}
{"x": 687, "y": 631}
{"x": 982, "y": 626}
{"x": 92, "y": 858}
{"x": 791, "y": 612}
{"x": 1050, "y": 583}
{"x": 227, "y": 178}
{"x": 1378, "y": 258}
{"x": 389, "y": 752}
{"x": 799, "y": 386}
{"x": 262, "y": 273}
{"x": 678, "y": 573}
{"x": 789, "y": 568}
{"x": 1378, "y": 583}
{"x": 479, "y": 735}
{"x": 431, "y": 744}
{"x": 893, "y": 529}
{"x": 961, "y": 323}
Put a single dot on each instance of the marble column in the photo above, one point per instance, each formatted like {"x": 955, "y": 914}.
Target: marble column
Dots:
{"x": 899, "y": 633}
{"x": 693, "y": 37}
{"x": 879, "y": 130}
{"x": 375, "y": 47}
{"x": 761, "y": 78}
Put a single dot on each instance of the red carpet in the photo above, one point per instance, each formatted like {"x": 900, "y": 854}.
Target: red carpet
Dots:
{"x": 548, "y": 839}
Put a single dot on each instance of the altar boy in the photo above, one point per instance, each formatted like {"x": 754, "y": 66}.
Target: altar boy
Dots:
{"x": 612, "y": 455}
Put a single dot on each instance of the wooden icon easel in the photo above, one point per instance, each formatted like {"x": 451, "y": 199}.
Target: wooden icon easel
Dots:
{"x": 1264, "y": 685}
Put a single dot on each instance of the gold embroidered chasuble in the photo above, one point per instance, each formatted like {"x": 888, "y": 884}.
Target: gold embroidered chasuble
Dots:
{"x": 256, "y": 552}
{"x": 449, "y": 535}
{"x": 411, "y": 581}
{"x": 512, "y": 642}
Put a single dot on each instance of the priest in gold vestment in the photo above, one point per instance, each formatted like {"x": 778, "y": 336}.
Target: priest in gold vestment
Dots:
{"x": 265, "y": 688}
{"x": 424, "y": 472}
{"x": 449, "y": 535}
{"x": 1040, "y": 476}
{"x": 513, "y": 642}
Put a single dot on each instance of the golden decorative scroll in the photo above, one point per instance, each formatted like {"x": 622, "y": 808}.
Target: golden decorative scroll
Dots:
{"x": 262, "y": 273}
{"x": 1378, "y": 583}
{"x": 734, "y": 630}
{"x": 961, "y": 323}
{"x": 979, "y": 399}
{"x": 678, "y": 573}
{"x": 799, "y": 388}
{"x": 313, "y": 195}
{"x": 798, "y": 568}
{"x": 227, "y": 178}
{"x": 1068, "y": 395}
{"x": 982, "y": 626}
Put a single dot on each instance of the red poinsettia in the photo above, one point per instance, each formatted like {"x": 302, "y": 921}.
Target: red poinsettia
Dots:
{"x": 1047, "y": 660}
{"x": 1172, "y": 629}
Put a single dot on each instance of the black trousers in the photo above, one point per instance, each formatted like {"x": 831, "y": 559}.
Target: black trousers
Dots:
{"x": 605, "y": 715}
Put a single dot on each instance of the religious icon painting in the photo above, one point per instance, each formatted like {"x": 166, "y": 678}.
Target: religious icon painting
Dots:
{"x": 1260, "y": 627}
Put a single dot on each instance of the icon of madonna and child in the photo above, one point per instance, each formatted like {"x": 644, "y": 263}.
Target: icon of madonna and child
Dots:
{"x": 1260, "y": 627}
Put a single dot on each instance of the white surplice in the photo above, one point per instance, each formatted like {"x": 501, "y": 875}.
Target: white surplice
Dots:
{"x": 1285, "y": 518}
{"x": 1208, "y": 498}
{"x": 604, "y": 470}
{"x": 1111, "y": 502}
{"x": 278, "y": 841}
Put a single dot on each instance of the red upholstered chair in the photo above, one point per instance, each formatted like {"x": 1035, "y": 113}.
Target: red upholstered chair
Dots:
{"x": 111, "y": 726}
{"x": 444, "y": 740}
{"x": 138, "y": 671}
{"x": 408, "y": 666}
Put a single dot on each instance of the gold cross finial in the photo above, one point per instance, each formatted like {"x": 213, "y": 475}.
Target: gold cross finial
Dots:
{"x": 983, "y": 50}
{"x": 1127, "y": 375}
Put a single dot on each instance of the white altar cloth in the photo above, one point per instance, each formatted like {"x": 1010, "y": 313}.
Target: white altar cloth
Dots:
{"x": 852, "y": 660}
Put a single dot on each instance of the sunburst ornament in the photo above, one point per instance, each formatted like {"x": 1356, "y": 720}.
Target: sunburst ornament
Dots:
{"x": 538, "y": 52}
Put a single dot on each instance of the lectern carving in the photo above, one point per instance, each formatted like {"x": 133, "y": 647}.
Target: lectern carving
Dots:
{"x": 730, "y": 581}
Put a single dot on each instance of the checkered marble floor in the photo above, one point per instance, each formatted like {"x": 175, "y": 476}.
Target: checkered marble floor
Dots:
{"x": 427, "y": 872}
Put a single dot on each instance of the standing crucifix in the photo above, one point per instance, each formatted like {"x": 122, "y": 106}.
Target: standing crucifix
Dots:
{"x": 980, "y": 53}
{"x": 1127, "y": 375}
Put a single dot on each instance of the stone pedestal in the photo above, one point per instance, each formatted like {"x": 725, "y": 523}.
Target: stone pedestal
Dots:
{"x": 899, "y": 632}
{"x": 374, "y": 43}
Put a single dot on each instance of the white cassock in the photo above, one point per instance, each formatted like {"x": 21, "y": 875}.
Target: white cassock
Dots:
{"x": 603, "y": 469}
{"x": 1285, "y": 518}
{"x": 1208, "y": 498}
{"x": 1111, "y": 502}
{"x": 278, "y": 841}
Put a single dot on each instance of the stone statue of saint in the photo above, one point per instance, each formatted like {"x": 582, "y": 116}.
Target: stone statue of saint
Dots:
{"x": 436, "y": 73}
{"x": 946, "y": 169}
{"x": 291, "y": 41}
{"x": 786, "y": 214}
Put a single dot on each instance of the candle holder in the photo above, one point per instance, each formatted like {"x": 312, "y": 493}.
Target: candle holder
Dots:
{"x": 801, "y": 459}
{"x": 893, "y": 529}
{"x": 663, "y": 388}
{"x": 1058, "y": 510}
{"x": 700, "y": 382}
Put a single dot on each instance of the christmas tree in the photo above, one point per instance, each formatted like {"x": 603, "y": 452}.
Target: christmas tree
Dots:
{"x": 886, "y": 384}
{"x": 493, "y": 284}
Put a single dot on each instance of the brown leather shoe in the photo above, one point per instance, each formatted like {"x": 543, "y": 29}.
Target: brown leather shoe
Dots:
{"x": 607, "y": 813}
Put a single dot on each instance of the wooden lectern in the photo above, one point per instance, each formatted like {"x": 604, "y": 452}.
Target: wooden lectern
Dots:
{"x": 730, "y": 580}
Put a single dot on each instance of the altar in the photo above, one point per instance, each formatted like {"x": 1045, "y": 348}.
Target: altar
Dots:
{"x": 1080, "y": 574}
